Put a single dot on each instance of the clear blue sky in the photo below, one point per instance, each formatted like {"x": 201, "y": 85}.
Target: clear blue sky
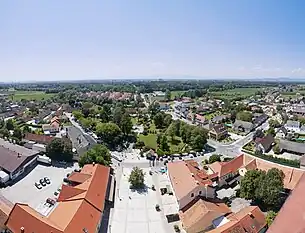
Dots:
{"x": 76, "y": 39}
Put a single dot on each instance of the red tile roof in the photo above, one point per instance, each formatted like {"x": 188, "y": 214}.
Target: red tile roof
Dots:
{"x": 79, "y": 207}
{"x": 224, "y": 168}
{"x": 39, "y": 138}
{"x": 248, "y": 220}
{"x": 78, "y": 177}
{"x": 291, "y": 216}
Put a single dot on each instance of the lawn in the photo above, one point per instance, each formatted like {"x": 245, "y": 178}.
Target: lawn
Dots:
{"x": 31, "y": 95}
{"x": 176, "y": 93}
{"x": 149, "y": 140}
{"x": 236, "y": 92}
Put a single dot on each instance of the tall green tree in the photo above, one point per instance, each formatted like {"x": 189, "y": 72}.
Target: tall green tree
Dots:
{"x": 244, "y": 116}
{"x": 164, "y": 144}
{"x": 10, "y": 124}
{"x": 167, "y": 95}
{"x": 110, "y": 133}
{"x": 126, "y": 124}
{"x": 159, "y": 120}
{"x": 136, "y": 178}
{"x": 98, "y": 154}
{"x": 250, "y": 183}
{"x": 270, "y": 217}
{"x": 60, "y": 149}
{"x": 18, "y": 133}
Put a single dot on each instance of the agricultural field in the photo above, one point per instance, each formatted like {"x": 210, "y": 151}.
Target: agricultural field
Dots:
{"x": 236, "y": 92}
{"x": 176, "y": 93}
{"x": 30, "y": 95}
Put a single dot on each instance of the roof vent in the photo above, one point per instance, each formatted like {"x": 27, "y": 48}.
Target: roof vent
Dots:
{"x": 197, "y": 182}
{"x": 21, "y": 229}
{"x": 85, "y": 230}
{"x": 93, "y": 163}
{"x": 192, "y": 174}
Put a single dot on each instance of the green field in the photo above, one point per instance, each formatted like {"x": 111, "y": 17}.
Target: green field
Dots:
{"x": 176, "y": 93}
{"x": 236, "y": 92}
{"x": 30, "y": 95}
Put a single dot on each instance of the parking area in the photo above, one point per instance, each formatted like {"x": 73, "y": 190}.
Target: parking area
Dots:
{"x": 135, "y": 211}
{"x": 25, "y": 191}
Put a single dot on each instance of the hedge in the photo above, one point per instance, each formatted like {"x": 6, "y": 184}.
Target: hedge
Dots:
{"x": 282, "y": 161}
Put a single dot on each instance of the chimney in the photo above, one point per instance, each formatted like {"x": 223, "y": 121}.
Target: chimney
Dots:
{"x": 93, "y": 163}
{"x": 21, "y": 229}
{"x": 192, "y": 174}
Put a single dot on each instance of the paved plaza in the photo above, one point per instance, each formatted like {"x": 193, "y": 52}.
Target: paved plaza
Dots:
{"x": 135, "y": 211}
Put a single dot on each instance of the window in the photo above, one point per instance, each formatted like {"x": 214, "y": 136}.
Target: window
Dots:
{"x": 200, "y": 192}
{"x": 192, "y": 195}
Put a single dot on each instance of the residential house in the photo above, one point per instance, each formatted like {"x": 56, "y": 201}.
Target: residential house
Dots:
{"x": 226, "y": 170}
{"x": 80, "y": 143}
{"x": 15, "y": 159}
{"x": 259, "y": 118}
{"x": 51, "y": 128}
{"x": 293, "y": 126}
{"x": 290, "y": 146}
{"x": 220, "y": 119}
{"x": 290, "y": 218}
{"x": 249, "y": 219}
{"x": 298, "y": 111}
{"x": 243, "y": 126}
{"x": 189, "y": 181}
{"x": 264, "y": 144}
{"x": 218, "y": 132}
{"x": 200, "y": 120}
{"x": 202, "y": 215}
{"x": 163, "y": 106}
{"x": 80, "y": 207}
{"x": 282, "y": 132}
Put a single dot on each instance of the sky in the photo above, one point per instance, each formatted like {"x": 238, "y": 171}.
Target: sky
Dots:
{"x": 76, "y": 39}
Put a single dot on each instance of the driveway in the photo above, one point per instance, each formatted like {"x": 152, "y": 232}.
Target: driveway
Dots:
{"x": 135, "y": 211}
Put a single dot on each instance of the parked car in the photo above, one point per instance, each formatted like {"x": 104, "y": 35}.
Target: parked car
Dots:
{"x": 66, "y": 180}
{"x": 42, "y": 182}
{"x": 157, "y": 207}
{"x": 38, "y": 185}
{"x": 51, "y": 201}
{"x": 56, "y": 193}
{"x": 47, "y": 180}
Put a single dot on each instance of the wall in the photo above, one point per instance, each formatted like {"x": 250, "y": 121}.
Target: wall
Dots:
{"x": 200, "y": 190}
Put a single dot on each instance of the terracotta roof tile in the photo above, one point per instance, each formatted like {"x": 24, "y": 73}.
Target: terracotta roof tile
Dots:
{"x": 78, "y": 177}
{"x": 250, "y": 219}
{"x": 79, "y": 207}
{"x": 68, "y": 192}
{"x": 201, "y": 214}
{"x": 39, "y": 138}
{"x": 291, "y": 216}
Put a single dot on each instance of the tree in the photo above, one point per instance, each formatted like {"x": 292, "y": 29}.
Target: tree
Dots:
{"x": 263, "y": 187}
{"x": 154, "y": 108}
{"x": 77, "y": 114}
{"x": 167, "y": 120}
{"x": 164, "y": 144}
{"x": 270, "y": 217}
{"x": 214, "y": 158}
{"x": 105, "y": 113}
{"x": 244, "y": 116}
{"x": 159, "y": 120}
{"x": 198, "y": 138}
{"x": 98, "y": 154}
{"x": 276, "y": 149}
{"x": 9, "y": 124}
{"x": 18, "y": 133}
{"x": 171, "y": 131}
{"x": 167, "y": 95}
{"x": 60, "y": 149}
{"x": 110, "y": 133}
{"x": 4, "y": 132}
{"x": 26, "y": 129}
{"x": 118, "y": 114}
{"x": 274, "y": 123}
{"x": 159, "y": 137}
{"x": 249, "y": 184}
{"x": 271, "y": 131}
{"x": 136, "y": 178}
{"x": 126, "y": 124}
{"x": 176, "y": 125}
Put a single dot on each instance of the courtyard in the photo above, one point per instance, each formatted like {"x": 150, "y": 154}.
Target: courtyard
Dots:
{"x": 25, "y": 191}
{"x": 134, "y": 211}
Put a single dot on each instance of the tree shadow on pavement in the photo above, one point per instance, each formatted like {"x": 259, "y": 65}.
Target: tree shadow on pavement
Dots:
{"x": 143, "y": 190}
